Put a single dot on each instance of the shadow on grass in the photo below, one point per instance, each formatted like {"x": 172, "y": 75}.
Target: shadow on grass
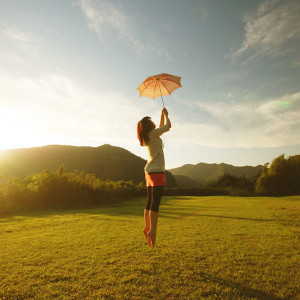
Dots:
{"x": 197, "y": 214}
{"x": 133, "y": 207}
{"x": 244, "y": 291}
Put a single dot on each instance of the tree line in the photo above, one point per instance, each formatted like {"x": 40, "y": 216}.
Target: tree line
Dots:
{"x": 280, "y": 178}
{"x": 60, "y": 190}
{"x": 77, "y": 189}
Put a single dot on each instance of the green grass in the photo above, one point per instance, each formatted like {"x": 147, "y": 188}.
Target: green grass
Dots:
{"x": 207, "y": 248}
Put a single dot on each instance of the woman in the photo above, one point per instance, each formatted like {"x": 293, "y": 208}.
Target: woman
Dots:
{"x": 149, "y": 136}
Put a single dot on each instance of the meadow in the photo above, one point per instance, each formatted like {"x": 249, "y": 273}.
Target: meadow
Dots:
{"x": 207, "y": 248}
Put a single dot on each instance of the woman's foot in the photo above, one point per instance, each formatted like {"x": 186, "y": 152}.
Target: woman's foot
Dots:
{"x": 151, "y": 239}
{"x": 145, "y": 231}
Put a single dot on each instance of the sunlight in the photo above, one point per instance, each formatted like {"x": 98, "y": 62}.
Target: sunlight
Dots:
{"x": 17, "y": 131}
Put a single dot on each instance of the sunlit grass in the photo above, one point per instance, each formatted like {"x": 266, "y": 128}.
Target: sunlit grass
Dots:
{"x": 207, "y": 247}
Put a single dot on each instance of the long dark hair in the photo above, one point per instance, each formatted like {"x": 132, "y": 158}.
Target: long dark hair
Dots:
{"x": 143, "y": 127}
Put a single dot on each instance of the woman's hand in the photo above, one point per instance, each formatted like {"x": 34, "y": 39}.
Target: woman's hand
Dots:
{"x": 165, "y": 112}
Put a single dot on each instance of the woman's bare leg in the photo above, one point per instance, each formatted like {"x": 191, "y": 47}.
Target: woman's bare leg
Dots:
{"x": 147, "y": 213}
{"x": 153, "y": 228}
{"x": 157, "y": 192}
{"x": 147, "y": 223}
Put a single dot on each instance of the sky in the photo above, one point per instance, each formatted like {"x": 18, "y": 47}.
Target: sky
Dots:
{"x": 69, "y": 72}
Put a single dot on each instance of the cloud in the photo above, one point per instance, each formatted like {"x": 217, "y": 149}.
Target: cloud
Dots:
{"x": 16, "y": 34}
{"x": 270, "y": 30}
{"x": 273, "y": 123}
{"x": 53, "y": 109}
{"x": 102, "y": 16}
{"x": 26, "y": 41}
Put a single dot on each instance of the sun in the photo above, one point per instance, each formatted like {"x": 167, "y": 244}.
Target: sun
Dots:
{"x": 17, "y": 131}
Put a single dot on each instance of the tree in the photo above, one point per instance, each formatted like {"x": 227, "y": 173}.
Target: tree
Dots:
{"x": 236, "y": 185}
{"x": 280, "y": 178}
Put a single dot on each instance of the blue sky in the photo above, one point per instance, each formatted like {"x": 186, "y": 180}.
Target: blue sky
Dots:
{"x": 69, "y": 70}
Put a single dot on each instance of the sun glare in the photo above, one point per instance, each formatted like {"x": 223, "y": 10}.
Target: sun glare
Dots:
{"x": 17, "y": 132}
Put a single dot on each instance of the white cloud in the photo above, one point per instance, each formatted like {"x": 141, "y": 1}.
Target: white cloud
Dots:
{"x": 16, "y": 34}
{"x": 25, "y": 41}
{"x": 273, "y": 123}
{"x": 56, "y": 110}
{"x": 270, "y": 29}
{"x": 102, "y": 16}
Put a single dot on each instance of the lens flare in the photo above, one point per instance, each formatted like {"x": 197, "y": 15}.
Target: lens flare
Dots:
{"x": 284, "y": 103}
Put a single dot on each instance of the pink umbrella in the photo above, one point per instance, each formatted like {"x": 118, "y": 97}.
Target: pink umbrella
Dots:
{"x": 159, "y": 85}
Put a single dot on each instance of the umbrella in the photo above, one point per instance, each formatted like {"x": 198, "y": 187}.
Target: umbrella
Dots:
{"x": 159, "y": 85}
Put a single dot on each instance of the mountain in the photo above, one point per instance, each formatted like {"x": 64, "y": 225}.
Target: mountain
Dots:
{"x": 106, "y": 162}
{"x": 203, "y": 172}
{"x": 185, "y": 182}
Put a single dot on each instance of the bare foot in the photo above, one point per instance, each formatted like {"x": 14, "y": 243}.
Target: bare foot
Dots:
{"x": 148, "y": 241}
{"x": 151, "y": 239}
{"x": 145, "y": 231}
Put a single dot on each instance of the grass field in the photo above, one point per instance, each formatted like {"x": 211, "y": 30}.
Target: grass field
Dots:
{"x": 206, "y": 248}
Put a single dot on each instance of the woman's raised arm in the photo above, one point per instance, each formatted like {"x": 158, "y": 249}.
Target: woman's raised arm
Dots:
{"x": 166, "y": 114}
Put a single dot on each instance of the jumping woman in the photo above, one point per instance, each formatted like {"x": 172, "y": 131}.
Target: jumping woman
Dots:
{"x": 149, "y": 136}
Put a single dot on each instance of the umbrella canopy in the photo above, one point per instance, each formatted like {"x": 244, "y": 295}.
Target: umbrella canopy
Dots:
{"x": 159, "y": 85}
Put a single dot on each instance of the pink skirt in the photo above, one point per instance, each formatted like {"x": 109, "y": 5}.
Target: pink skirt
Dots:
{"x": 155, "y": 179}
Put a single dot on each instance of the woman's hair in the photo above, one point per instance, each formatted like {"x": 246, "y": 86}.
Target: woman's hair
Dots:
{"x": 143, "y": 127}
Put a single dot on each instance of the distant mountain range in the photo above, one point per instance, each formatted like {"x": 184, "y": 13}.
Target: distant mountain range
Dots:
{"x": 109, "y": 162}
{"x": 193, "y": 175}
{"x": 106, "y": 162}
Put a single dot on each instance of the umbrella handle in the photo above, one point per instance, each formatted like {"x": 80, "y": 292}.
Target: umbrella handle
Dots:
{"x": 161, "y": 97}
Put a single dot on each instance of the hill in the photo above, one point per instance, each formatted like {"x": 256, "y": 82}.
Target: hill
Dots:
{"x": 203, "y": 172}
{"x": 185, "y": 182}
{"x": 106, "y": 162}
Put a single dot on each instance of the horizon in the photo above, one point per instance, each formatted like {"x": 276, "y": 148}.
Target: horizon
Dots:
{"x": 70, "y": 70}
{"x": 83, "y": 146}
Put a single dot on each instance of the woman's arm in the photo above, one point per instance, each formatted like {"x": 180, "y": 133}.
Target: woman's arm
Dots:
{"x": 162, "y": 127}
{"x": 162, "y": 119}
{"x": 166, "y": 114}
